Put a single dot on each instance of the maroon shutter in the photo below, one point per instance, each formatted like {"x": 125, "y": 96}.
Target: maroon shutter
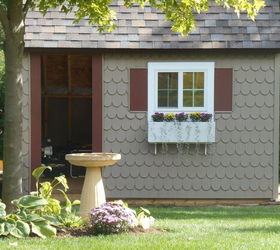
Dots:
{"x": 223, "y": 90}
{"x": 35, "y": 82}
{"x": 138, "y": 89}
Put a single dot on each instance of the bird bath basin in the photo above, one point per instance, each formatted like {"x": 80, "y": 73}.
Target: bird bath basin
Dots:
{"x": 93, "y": 194}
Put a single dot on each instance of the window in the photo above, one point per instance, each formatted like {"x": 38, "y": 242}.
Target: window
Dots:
{"x": 180, "y": 87}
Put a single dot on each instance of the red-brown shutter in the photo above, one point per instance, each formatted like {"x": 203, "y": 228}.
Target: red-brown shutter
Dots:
{"x": 222, "y": 98}
{"x": 223, "y": 90}
{"x": 35, "y": 82}
{"x": 138, "y": 89}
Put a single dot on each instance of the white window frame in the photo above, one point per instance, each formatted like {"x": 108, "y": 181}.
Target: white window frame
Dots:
{"x": 155, "y": 67}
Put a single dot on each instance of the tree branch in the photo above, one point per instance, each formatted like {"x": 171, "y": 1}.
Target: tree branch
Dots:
{"x": 4, "y": 17}
{"x": 26, "y": 7}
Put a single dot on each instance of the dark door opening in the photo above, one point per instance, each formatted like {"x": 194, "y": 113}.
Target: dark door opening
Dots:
{"x": 66, "y": 110}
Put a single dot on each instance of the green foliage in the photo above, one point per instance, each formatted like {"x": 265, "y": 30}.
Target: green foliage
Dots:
{"x": 145, "y": 220}
{"x": 65, "y": 214}
{"x": 39, "y": 213}
{"x": 30, "y": 202}
{"x": 180, "y": 13}
{"x": 22, "y": 223}
{"x": 98, "y": 11}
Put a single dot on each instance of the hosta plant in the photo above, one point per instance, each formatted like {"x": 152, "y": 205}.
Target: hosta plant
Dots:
{"x": 23, "y": 222}
{"x": 39, "y": 213}
{"x": 64, "y": 214}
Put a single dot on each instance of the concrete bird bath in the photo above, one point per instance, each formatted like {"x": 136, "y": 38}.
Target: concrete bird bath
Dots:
{"x": 93, "y": 194}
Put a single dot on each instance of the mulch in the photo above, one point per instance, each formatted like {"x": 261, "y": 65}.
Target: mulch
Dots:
{"x": 87, "y": 231}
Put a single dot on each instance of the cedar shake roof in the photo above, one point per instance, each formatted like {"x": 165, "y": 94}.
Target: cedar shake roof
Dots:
{"x": 146, "y": 28}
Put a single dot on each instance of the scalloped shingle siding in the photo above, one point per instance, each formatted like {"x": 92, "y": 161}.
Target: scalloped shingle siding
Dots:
{"x": 146, "y": 28}
{"x": 239, "y": 165}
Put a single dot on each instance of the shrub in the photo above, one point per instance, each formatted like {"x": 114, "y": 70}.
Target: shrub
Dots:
{"x": 112, "y": 218}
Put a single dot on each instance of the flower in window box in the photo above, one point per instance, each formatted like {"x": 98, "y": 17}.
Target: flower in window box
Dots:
{"x": 169, "y": 117}
{"x": 158, "y": 117}
{"x": 195, "y": 117}
{"x": 181, "y": 117}
{"x": 205, "y": 117}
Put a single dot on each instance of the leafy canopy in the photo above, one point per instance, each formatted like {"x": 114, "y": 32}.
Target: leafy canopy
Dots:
{"x": 179, "y": 12}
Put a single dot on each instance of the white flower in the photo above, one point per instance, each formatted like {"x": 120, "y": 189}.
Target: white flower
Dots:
{"x": 146, "y": 222}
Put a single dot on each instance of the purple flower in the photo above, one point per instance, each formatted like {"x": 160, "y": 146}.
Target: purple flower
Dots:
{"x": 205, "y": 117}
{"x": 158, "y": 117}
{"x": 181, "y": 117}
{"x": 112, "y": 218}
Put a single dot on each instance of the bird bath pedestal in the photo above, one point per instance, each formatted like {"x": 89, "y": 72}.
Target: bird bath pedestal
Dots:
{"x": 93, "y": 194}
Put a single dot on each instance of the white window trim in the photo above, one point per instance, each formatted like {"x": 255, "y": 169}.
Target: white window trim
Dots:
{"x": 180, "y": 67}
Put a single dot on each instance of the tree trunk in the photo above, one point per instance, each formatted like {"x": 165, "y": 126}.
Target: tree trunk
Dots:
{"x": 14, "y": 46}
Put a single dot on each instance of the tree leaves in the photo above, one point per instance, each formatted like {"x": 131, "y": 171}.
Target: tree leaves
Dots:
{"x": 180, "y": 12}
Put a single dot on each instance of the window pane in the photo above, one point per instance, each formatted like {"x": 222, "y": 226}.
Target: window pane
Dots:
{"x": 173, "y": 98}
{"x": 162, "y": 80}
{"x": 188, "y": 80}
{"x": 188, "y": 98}
{"x": 167, "y": 89}
{"x": 162, "y": 98}
{"x": 198, "y": 98}
{"x": 167, "y": 98}
{"x": 199, "y": 80}
{"x": 167, "y": 80}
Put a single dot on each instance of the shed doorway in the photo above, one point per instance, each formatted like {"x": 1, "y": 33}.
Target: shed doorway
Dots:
{"x": 66, "y": 89}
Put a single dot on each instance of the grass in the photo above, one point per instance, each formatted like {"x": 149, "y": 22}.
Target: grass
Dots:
{"x": 187, "y": 228}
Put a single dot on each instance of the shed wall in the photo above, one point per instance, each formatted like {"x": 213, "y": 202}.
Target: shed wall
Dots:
{"x": 239, "y": 165}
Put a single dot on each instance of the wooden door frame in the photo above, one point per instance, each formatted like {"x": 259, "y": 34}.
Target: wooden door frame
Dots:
{"x": 36, "y": 109}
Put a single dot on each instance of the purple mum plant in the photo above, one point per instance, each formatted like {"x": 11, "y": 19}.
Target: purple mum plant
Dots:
{"x": 112, "y": 218}
{"x": 205, "y": 117}
{"x": 158, "y": 117}
{"x": 181, "y": 117}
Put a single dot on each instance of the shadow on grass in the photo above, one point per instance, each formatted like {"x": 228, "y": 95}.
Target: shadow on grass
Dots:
{"x": 216, "y": 213}
{"x": 268, "y": 229}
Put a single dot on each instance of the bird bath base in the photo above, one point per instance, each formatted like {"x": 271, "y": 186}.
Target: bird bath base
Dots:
{"x": 93, "y": 194}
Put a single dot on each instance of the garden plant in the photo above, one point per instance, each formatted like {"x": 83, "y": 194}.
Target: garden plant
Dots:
{"x": 40, "y": 214}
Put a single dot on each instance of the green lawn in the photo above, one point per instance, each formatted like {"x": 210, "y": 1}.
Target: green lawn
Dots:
{"x": 187, "y": 228}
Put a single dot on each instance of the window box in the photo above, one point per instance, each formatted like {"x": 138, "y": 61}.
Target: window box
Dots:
{"x": 181, "y": 132}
